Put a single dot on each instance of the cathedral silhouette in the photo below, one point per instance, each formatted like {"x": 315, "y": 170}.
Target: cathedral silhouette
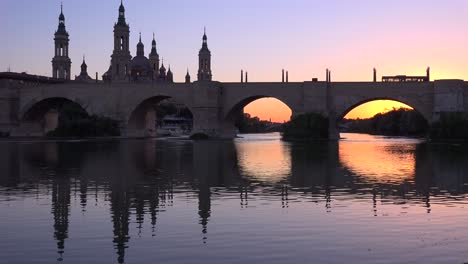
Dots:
{"x": 124, "y": 67}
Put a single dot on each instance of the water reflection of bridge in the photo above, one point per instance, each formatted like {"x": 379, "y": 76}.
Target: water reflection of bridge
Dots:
{"x": 141, "y": 178}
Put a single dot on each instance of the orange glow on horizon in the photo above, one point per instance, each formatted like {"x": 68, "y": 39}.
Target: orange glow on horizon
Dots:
{"x": 267, "y": 108}
{"x": 370, "y": 109}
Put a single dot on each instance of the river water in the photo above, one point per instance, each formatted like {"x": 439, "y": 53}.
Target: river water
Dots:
{"x": 364, "y": 199}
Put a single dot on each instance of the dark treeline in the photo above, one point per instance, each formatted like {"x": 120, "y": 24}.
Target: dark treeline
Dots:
{"x": 398, "y": 122}
{"x": 248, "y": 124}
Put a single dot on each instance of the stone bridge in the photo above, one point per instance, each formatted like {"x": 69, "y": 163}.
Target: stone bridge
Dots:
{"x": 25, "y": 106}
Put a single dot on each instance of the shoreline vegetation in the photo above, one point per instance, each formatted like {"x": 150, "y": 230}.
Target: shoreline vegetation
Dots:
{"x": 402, "y": 122}
{"x": 397, "y": 122}
{"x": 74, "y": 123}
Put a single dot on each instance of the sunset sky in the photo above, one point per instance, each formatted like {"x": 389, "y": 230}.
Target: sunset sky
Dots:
{"x": 260, "y": 36}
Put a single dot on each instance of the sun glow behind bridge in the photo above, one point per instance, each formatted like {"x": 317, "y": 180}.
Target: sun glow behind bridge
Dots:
{"x": 267, "y": 108}
{"x": 370, "y": 109}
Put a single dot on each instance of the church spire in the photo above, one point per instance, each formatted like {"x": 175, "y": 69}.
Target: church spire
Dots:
{"x": 204, "y": 60}
{"x": 205, "y": 39}
{"x": 61, "y": 27}
{"x": 61, "y": 63}
{"x": 84, "y": 67}
{"x": 187, "y": 77}
{"x": 140, "y": 48}
{"x": 154, "y": 58}
{"x": 121, "y": 14}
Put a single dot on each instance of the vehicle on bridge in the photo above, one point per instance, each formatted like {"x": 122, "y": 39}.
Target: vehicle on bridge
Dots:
{"x": 404, "y": 78}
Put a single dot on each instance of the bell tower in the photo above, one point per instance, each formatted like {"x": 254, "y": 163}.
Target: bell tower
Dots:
{"x": 154, "y": 59}
{"x": 204, "y": 61}
{"x": 61, "y": 63}
{"x": 120, "y": 58}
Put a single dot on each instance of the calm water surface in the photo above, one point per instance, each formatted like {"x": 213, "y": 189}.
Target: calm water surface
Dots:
{"x": 365, "y": 199}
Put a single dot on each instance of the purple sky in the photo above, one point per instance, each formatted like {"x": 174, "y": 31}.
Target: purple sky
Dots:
{"x": 261, "y": 36}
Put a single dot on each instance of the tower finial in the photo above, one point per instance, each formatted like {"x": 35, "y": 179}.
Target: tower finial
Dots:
{"x": 61, "y": 7}
{"x": 83, "y": 58}
{"x": 154, "y": 38}
{"x": 140, "y": 36}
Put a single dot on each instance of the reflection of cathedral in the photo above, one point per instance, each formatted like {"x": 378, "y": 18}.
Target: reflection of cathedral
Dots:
{"x": 123, "y": 67}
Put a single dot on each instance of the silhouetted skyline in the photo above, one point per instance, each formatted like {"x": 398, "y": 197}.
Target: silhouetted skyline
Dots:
{"x": 349, "y": 38}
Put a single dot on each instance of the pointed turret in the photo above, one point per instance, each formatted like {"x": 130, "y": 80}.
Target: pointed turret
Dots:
{"x": 162, "y": 72}
{"x": 187, "y": 77}
{"x": 84, "y": 77}
{"x": 170, "y": 76}
{"x": 140, "y": 48}
{"x": 84, "y": 67}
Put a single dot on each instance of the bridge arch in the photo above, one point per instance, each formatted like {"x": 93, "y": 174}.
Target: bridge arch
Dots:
{"x": 234, "y": 112}
{"x": 41, "y": 116}
{"x": 141, "y": 119}
{"x": 347, "y": 108}
{"x": 35, "y": 106}
{"x": 412, "y": 124}
{"x": 235, "y": 109}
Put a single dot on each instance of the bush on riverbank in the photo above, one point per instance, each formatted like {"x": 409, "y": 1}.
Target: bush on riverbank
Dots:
{"x": 310, "y": 126}
{"x": 451, "y": 126}
{"x": 74, "y": 122}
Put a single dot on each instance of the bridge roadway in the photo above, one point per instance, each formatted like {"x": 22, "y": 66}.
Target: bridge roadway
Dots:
{"x": 26, "y": 107}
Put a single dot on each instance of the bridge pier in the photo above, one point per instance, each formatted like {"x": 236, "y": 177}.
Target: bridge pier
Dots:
{"x": 450, "y": 96}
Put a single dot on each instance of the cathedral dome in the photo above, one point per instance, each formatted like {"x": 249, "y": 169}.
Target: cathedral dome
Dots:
{"x": 141, "y": 68}
{"x": 141, "y": 62}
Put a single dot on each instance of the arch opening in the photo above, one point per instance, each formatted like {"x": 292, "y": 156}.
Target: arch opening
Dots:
{"x": 160, "y": 116}
{"x": 45, "y": 116}
{"x": 259, "y": 114}
{"x": 386, "y": 117}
